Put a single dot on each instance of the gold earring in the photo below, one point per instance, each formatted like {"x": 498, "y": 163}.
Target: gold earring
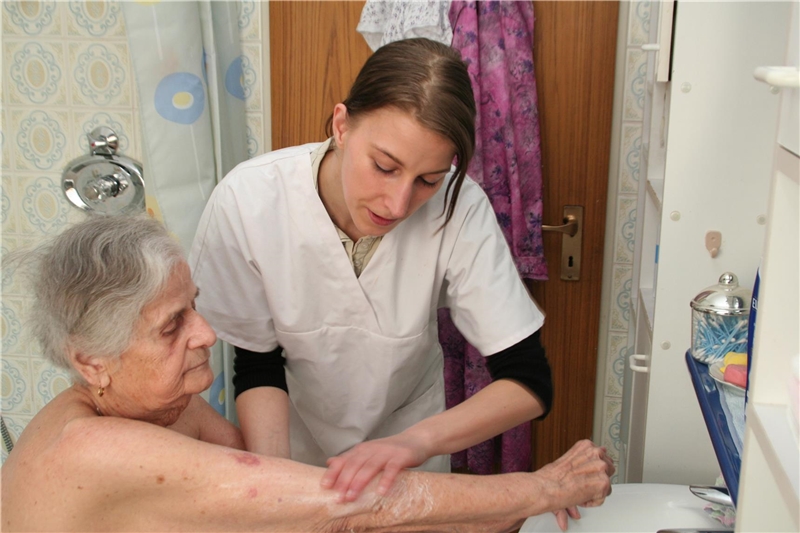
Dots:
{"x": 101, "y": 391}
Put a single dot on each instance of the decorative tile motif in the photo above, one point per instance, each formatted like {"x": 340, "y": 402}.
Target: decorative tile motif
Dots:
{"x": 611, "y": 427}
{"x": 249, "y": 20}
{"x": 255, "y": 135}
{"x": 639, "y": 22}
{"x": 50, "y": 381}
{"x": 626, "y": 229}
{"x": 95, "y": 19}
{"x": 11, "y": 311}
{"x": 14, "y": 386}
{"x": 40, "y": 138}
{"x": 630, "y": 157}
{"x": 620, "y": 298}
{"x": 31, "y": 18}
{"x": 35, "y": 75}
{"x": 9, "y": 218}
{"x": 617, "y": 356}
{"x": 6, "y": 153}
{"x": 13, "y": 287}
{"x": 635, "y": 73}
{"x": 44, "y": 206}
{"x": 100, "y": 74}
{"x": 251, "y": 81}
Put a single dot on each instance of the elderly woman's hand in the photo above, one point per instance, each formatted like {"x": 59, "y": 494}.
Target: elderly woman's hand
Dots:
{"x": 582, "y": 477}
{"x": 350, "y": 472}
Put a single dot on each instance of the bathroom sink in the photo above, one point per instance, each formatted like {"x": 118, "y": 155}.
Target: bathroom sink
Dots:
{"x": 636, "y": 507}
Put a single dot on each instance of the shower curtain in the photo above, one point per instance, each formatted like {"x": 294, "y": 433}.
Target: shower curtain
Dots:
{"x": 188, "y": 66}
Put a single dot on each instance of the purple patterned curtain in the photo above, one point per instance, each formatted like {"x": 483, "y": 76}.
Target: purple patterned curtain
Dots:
{"x": 495, "y": 39}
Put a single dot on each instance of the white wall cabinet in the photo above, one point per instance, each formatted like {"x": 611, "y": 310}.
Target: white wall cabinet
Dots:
{"x": 707, "y": 152}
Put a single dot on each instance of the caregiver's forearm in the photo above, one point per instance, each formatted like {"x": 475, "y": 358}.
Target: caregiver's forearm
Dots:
{"x": 498, "y": 407}
{"x": 264, "y": 419}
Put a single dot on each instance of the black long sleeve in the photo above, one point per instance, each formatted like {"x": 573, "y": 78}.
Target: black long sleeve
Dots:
{"x": 526, "y": 363}
{"x": 258, "y": 369}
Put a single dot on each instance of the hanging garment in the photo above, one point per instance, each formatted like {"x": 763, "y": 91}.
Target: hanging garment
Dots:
{"x": 386, "y": 21}
{"x": 496, "y": 41}
{"x": 362, "y": 357}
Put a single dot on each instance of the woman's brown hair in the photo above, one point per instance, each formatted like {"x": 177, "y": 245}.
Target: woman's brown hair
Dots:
{"x": 428, "y": 80}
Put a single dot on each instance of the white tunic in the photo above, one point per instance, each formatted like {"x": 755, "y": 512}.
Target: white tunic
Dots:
{"x": 362, "y": 354}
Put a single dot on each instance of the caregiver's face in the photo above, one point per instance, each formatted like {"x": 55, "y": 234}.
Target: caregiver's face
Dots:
{"x": 391, "y": 166}
{"x": 168, "y": 360}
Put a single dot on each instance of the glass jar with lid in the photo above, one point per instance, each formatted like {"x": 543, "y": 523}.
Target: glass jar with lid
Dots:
{"x": 719, "y": 320}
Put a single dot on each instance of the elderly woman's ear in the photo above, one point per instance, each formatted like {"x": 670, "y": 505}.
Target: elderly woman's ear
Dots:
{"x": 94, "y": 369}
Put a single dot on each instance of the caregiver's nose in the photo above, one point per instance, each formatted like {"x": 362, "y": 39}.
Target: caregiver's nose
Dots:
{"x": 399, "y": 198}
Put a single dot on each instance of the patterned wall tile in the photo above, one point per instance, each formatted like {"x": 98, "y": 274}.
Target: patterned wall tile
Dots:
{"x": 630, "y": 157}
{"x": 626, "y": 230}
{"x": 5, "y": 141}
{"x": 251, "y": 77}
{"x": 255, "y": 134}
{"x": 639, "y": 22}
{"x": 616, "y": 358}
{"x": 40, "y": 141}
{"x": 13, "y": 315}
{"x": 43, "y": 208}
{"x": 620, "y": 311}
{"x": 612, "y": 415}
{"x": 14, "y": 282}
{"x": 26, "y": 18}
{"x": 35, "y": 73}
{"x": 8, "y": 197}
{"x": 50, "y": 381}
{"x": 15, "y": 386}
{"x": 250, "y": 20}
{"x": 95, "y": 19}
{"x": 635, "y": 72}
{"x": 100, "y": 74}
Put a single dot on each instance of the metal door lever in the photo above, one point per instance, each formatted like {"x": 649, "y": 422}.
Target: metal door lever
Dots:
{"x": 571, "y": 236}
{"x": 570, "y": 228}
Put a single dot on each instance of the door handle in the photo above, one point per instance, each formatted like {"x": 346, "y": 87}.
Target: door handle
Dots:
{"x": 571, "y": 236}
{"x": 570, "y": 228}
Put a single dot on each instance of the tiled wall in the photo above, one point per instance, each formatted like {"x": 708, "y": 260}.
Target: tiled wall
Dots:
{"x": 619, "y": 248}
{"x": 65, "y": 70}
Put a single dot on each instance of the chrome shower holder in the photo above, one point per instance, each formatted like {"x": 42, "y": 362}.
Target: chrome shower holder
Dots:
{"x": 103, "y": 181}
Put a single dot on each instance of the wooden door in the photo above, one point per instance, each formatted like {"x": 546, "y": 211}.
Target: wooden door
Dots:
{"x": 316, "y": 54}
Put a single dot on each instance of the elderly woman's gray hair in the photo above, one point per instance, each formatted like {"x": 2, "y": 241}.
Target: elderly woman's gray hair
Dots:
{"x": 94, "y": 280}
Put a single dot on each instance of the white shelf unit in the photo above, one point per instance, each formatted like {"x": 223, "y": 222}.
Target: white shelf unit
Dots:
{"x": 707, "y": 135}
{"x": 769, "y": 493}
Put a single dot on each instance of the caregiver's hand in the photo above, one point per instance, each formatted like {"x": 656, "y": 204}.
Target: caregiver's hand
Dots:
{"x": 351, "y": 471}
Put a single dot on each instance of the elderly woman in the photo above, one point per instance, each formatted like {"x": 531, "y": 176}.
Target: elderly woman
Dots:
{"x": 132, "y": 446}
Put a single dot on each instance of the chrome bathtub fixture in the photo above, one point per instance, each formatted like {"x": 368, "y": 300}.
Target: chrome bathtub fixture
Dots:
{"x": 104, "y": 182}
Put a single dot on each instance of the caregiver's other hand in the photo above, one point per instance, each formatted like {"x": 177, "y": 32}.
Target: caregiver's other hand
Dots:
{"x": 351, "y": 471}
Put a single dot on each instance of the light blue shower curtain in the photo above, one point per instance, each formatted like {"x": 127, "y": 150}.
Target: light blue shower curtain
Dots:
{"x": 187, "y": 61}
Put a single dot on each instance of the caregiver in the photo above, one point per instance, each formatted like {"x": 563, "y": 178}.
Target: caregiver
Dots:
{"x": 336, "y": 257}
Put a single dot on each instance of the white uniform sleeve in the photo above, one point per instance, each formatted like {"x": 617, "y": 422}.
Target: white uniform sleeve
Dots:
{"x": 232, "y": 296}
{"x": 488, "y": 301}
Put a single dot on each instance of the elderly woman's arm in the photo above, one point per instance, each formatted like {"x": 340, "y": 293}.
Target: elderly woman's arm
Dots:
{"x": 150, "y": 478}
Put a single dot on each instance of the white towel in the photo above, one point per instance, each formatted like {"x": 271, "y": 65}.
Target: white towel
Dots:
{"x": 386, "y": 21}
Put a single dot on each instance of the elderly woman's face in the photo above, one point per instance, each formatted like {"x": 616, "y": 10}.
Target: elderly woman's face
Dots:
{"x": 168, "y": 360}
